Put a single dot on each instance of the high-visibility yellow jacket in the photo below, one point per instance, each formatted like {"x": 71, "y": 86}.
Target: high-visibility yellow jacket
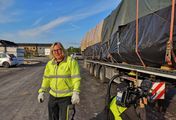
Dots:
{"x": 116, "y": 109}
{"x": 61, "y": 79}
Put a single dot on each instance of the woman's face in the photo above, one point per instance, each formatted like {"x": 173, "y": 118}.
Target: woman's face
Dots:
{"x": 58, "y": 52}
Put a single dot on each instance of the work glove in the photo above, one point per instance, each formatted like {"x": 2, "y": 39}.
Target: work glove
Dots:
{"x": 41, "y": 97}
{"x": 75, "y": 98}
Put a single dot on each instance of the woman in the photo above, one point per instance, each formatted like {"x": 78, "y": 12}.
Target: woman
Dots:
{"x": 62, "y": 77}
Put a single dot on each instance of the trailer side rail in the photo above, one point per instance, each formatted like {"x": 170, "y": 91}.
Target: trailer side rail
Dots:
{"x": 147, "y": 70}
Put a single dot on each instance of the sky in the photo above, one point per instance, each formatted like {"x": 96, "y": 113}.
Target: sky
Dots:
{"x": 48, "y": 21}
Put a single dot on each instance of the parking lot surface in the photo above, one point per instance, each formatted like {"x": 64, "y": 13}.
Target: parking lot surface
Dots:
{"x": 19, "y": 87}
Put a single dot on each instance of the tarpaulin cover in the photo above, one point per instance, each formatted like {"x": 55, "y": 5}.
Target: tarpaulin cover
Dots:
{"x": 126, "y": 11}
{"x": 108, "y": 25}
{"x": 119, "y": 32}
{"x": 92, "y": 37}
{"x": 93, "y": 52}
{"x": 153, "y": 35}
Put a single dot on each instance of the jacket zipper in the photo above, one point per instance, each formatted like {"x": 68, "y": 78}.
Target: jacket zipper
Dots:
{"x": 56, "y": 78}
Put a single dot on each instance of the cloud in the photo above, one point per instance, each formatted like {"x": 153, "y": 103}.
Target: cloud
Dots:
{"x": 5, "y": 19}
{"x": 38, "y": 21}
{"x": 8, "y": 18}
{"x": 41, "y": 30}
{"x": 44, "y": 28}
{"x": 96, "y": 9}
{"x": 7, "y": 15}
{"x": 5, "y": 4}
{"x": 55, "y": 23}
{"x": 72, "y": 28}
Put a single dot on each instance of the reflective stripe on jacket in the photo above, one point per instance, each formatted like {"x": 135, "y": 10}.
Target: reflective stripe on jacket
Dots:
{"x": 61, "y": 79}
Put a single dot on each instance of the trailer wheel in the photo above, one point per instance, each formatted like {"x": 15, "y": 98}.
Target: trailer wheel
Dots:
{"x": 88, "y": 66}
{"x": 96, "y": 70}
{"x": 85, "y": 64}
{"x": 91, "y": 69}
{"x": 102, "y": 74}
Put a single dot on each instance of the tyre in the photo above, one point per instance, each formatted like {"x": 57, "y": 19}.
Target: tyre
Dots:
{"x": 91, "y": 69}
{"x": 102, "y": 74}
{"x": 6, "y": 64}
{"x": 96, "y": 70}
{"x": 85, "y": 64}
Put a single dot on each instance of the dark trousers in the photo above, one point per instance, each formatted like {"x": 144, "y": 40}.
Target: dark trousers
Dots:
{"x": 58, "y": 107}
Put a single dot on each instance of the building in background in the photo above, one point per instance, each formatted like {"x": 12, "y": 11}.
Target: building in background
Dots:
{"x": 12, "y": 48}
{"x": 21, "y": 50}
{"x": 35, "y": 49}
{"x": 5, "y": 45}
{"x": 43, "y": 49}
{"x": 47, "y": 51}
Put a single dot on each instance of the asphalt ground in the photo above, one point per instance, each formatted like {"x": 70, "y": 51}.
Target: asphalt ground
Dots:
{"x": 18, "y": 95}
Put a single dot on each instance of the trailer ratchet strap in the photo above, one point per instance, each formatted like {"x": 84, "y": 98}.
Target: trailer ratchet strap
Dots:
{"x": 169, "y": 48}
{"x": 137, "y": 39}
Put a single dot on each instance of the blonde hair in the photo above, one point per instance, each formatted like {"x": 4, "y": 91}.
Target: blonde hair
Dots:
{"x": 51, "y": 49}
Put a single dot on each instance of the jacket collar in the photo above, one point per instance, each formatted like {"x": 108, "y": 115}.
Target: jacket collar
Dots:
{"x": 54, "y": 62}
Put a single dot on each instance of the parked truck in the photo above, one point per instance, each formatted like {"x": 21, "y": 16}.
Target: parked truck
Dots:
{"x": 137, "y": 41}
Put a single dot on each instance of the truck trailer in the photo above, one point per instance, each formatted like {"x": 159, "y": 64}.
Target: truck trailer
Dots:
{"x": 137, "y": 41}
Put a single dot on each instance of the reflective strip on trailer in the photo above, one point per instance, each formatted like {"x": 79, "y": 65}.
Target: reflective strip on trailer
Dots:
{"x": 158, "y": 90}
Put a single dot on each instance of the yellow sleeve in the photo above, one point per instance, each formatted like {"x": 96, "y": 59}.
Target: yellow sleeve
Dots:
{"x": 45, "y": 82}
{"x": 75, "y": 75}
